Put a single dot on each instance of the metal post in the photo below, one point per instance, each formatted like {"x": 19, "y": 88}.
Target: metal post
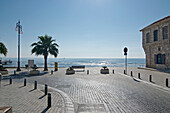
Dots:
{"x": 139, "y": 75}
{"x": 167, "y": 82}
{"x": 14, "y": 72}
{"x": 131, "y": 74}
{"x": 124, "y": 72}
{"x": 49, "y": 100}
{"x": 19, "y": 28}
{"x": 51, "y": 71}
{"x": 46, "y": 89}
{"x": 113, "y": 71}
{"x": 25, "y": 82}
{"x": 87, "y": 72}
{"x": 35, "y": 85}
{"x": 18, "y": 69}
{"x": 150, "y": 78}
{"x": 10, "y": 81}
{"x": 126, "y": 64}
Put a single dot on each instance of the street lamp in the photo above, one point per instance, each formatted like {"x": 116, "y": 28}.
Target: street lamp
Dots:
{"x": 19, "y": 29}
{"x": 125, "y": 53}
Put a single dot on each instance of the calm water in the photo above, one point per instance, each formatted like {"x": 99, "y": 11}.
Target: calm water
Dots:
{"x": 88, "y": 62}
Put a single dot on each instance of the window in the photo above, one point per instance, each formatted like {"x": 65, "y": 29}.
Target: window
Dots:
{"x": 155, "y": 33}
{"x": 159, "y": 59}
{"x": 165, "y": 32}
{"x": 147, "y": 38}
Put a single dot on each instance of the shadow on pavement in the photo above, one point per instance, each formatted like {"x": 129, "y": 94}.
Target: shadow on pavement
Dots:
{"x": 31, "y": 90}
{"x": 7, "y": 84}
{"x": 135, "y": 80}
{"x": 22, "y": 75}
{"x": 42, "y": 97}
{"x": 21, "y": 86}
{"x": 45, "y": 110}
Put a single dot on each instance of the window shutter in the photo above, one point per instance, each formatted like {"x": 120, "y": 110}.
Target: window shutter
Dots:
{"x": 163, "y": 59}
{"x": 155, "y": 58}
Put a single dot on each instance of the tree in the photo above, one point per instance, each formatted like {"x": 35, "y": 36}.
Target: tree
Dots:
{"x": 45, "y": 47}
{"x": 3, "y": 49}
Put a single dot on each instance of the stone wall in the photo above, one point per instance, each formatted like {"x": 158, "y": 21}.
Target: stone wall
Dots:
{"x": 162, "y": 46}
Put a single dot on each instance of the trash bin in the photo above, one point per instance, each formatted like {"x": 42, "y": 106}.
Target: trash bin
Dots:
{"x": 56, "y": 66}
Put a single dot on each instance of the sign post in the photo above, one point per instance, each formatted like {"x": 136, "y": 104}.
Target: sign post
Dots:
{"x": 125, "y": 53}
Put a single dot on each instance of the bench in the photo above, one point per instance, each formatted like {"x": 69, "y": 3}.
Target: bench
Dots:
{"x": 79, "y": 67}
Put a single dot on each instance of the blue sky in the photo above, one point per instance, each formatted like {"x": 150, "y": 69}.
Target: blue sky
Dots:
{"x": 82, "y": 28}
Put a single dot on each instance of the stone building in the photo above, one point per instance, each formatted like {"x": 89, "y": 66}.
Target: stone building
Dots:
{"x": 156, "y": 43}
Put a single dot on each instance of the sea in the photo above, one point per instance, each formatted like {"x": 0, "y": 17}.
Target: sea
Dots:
{"x": 88, "y": 62}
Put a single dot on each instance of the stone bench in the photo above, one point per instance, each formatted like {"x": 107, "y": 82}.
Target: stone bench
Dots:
{"x": 79, "y": 67}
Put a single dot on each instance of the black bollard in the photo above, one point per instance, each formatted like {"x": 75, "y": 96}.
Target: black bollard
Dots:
{"x": 139, "y": 75}
{"x": 14, "y": 72}
{"x": 51, "y": 71}
{"x": 46, "y": 89}
{"x": 113, "y": 71}
{"x": 10, "y": 81}
{"x": 25, "y": 82}
{"x": 150, "y": 78}
{"x": 87, "y": 72}
{"x": 124, "y": 72}
{"x": 49, "y": 100}
{"x": 131, "y": 74}
{"x": 35, "y": 85}
{"x": 167, "y": 82}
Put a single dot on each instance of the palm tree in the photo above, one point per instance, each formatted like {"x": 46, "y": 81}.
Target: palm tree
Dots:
{"x": 45, "y": 47}
{"x": 3, "y": 49}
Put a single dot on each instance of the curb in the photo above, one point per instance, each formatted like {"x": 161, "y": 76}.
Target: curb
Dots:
{"x": 155, "y": 85}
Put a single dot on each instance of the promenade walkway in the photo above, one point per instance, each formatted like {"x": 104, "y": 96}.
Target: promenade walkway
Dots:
{"x": 106, "y": 93}
{"x": 24, "y": 99}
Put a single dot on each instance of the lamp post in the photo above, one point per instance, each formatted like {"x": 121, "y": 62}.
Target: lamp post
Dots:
{"x": 125, "y": 53}
{"x": 19, "y": 29}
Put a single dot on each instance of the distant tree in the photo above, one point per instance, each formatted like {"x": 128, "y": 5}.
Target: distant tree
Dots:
{"x": 45, "y": 47}
{"x": 3, "y": 49}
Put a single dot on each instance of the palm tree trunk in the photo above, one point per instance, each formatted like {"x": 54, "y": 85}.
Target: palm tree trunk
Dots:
{"x": 45, "y": 63}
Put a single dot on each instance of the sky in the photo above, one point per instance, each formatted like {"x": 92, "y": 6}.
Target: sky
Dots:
{"x": 82, "y": 28}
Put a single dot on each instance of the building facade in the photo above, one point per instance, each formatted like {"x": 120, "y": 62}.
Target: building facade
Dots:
{"x": 156, "y": 43}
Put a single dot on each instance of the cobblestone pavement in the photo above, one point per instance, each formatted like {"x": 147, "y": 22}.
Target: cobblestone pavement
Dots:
{"x": 24, "y": 99}
{"x": 100, "y": 93}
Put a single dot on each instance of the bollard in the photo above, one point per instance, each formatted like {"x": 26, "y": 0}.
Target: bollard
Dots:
{"x": 35, "y": 85}
{"x": 14, "y": 72}
{"x": 87, "y": 72}
{"x": 49, "y": 100}
{"x": 131, "y": 74}
{"x": 150, "y": 78}
{"x": 25, "y": 82}
{"x": 167, "y": 82}
{"x": 10, "y": 81}
{"x": 51, "y": 71}
{"x": 46, "y": 89}
{"x": 113, "y": 71}
{"x": 139, "y": 75}
{"x": 124, "y": 72}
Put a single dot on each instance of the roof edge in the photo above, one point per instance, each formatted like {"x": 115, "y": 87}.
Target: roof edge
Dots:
{"x": 155, "y": 22}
